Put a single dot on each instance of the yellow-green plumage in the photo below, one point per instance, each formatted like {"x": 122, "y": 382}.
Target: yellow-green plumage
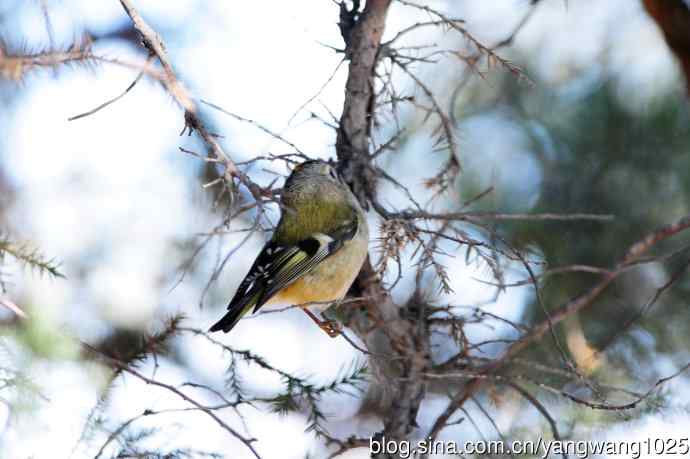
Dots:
{"x": 306, "y": 215}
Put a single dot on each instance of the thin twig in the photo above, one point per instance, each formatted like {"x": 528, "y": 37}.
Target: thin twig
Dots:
{"x": 127, "y": 369}
{"x": 116, "y": 98}
{"x": 154, "y": 44}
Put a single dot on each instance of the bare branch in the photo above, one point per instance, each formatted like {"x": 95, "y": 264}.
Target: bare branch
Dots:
{"x": 116, "y": 98}
{"x": 154, "y": 44}
{"x": 541, "y": 408}
{"x": 13, "y": 307}
{"x": 259, "y": 126}
{"x": 15, "y": 66}
{"x": 496, "y": 216}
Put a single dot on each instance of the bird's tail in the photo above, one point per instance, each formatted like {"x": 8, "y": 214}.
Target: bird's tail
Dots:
{"x": 235, "y": 313}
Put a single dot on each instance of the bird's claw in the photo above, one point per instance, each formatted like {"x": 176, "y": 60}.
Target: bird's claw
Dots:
{"x": 331, "y": 327}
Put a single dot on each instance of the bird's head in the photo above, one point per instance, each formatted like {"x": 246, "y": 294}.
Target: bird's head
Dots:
{"x": 313, "y": 171}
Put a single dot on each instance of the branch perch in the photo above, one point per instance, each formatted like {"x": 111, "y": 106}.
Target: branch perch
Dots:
{"x": 154, "y": 44}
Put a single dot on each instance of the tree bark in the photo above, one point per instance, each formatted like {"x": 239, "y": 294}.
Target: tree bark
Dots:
{"x": 673, "y": 18}
{"x": 395, "y": 336}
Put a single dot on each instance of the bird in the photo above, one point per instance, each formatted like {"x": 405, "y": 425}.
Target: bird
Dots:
{"x": 315, "y": 253}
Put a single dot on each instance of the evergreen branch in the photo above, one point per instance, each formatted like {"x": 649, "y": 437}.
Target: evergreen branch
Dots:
{"x": 125, "y": 368}
{"x": 299, "y": 392}
{"x": 29, "y": 256}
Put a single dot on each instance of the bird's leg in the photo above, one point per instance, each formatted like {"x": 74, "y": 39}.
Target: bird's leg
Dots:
{"x": 331, "y": 327}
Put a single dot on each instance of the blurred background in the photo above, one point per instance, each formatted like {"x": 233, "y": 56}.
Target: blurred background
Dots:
{"x": 603, "y": 127}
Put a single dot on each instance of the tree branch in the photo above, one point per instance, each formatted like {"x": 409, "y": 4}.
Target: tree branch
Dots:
{"x": 123, "y": 367}
{"x": 154, "y": 44}
{"x": 568, "y": 309}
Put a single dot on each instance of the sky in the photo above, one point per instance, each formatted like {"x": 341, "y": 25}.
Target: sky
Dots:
{"x": 110, "y": 194}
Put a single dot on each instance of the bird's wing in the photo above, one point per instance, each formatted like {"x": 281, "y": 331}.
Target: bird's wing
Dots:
{"x": 279, "y": 265}
{"x": 297, "y": 260}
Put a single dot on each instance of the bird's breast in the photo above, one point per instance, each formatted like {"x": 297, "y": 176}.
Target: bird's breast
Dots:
{"x": 331, "y": 279}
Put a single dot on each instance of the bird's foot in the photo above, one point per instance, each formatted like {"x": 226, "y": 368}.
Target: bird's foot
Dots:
{"x": 331, "y": 327}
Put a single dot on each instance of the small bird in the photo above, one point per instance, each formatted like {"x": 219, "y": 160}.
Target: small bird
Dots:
{"x": 316, "y": 251}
